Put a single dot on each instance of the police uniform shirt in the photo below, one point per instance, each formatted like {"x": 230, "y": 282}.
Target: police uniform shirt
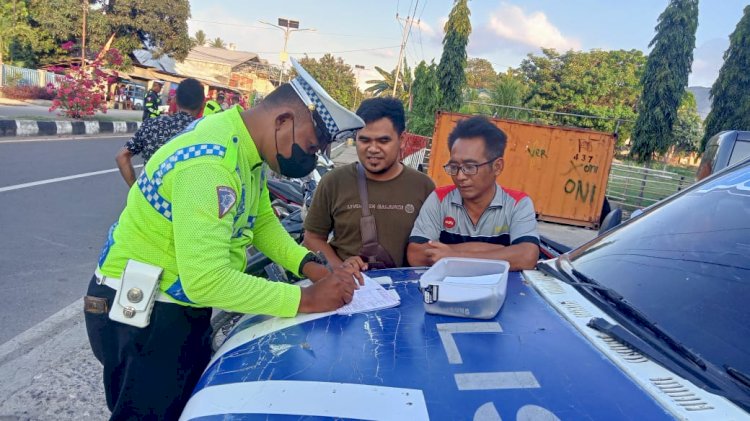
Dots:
{"x": 199, "y": 203}
{"x": 509, "y": 219}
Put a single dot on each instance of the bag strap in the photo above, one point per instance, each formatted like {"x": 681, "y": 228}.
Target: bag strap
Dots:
{"x": 362, "y": 183}
{"x": 371, "y": 250}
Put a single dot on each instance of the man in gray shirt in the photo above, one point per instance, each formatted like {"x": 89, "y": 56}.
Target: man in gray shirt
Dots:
{"x": 475, "y": 217}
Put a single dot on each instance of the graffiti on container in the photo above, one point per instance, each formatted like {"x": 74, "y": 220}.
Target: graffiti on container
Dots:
{"x": 587, "y": 168}
{"x": 584, "y": 191}
{"x": 535, "y": 152}
{"x": 585, "y": 145}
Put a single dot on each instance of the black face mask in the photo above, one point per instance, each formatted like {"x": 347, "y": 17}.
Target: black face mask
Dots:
{"x": 299, "y": 164}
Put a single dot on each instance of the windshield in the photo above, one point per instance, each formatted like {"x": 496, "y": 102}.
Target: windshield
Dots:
{"x": 686, "y": 266}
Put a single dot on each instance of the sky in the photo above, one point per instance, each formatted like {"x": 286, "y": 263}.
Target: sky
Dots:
{"x": 368, "y": 33}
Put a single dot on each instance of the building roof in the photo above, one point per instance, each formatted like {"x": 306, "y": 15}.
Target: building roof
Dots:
{"x": 231, "y": 58}
{"x": 164, "y": 63}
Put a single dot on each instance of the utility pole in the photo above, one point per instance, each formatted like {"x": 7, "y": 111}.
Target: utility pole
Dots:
{"x": 408, "y": 22}
{"x": 288, "y": 26}
{"x": 83, "y": 38}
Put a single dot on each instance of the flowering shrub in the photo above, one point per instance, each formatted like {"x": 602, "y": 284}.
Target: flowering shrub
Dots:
{"x": 83, "y": 90}
{"x": 27, "y": 92}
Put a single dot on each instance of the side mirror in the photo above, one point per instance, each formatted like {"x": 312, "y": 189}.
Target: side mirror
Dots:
{"x": 613, "y": 219}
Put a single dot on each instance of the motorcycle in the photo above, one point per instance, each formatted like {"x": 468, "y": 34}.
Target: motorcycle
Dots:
{"x": 290, "y": 199}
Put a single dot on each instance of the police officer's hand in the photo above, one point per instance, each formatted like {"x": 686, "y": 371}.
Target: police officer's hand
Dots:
{"x": 329, "y": 293}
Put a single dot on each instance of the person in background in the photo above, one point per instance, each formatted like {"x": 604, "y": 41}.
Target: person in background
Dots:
{"x": 212, "y": 107}
{"x": 152, "y": 101}
{"x": 172, "y": 102}
{"x": 155, "y": 132}
{"x": 475, "y": 217}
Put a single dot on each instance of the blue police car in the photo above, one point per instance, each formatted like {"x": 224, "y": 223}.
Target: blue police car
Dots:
{"x": 649, "y": 321}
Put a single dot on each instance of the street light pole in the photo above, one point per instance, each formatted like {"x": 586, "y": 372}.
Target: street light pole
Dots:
{"x": 288, "y": 26}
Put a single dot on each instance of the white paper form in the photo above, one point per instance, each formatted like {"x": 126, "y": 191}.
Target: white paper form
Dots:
{"x": 369, "y": 297}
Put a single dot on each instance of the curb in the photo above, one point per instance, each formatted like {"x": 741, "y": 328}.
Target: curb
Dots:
{"x": 10, "y": 128}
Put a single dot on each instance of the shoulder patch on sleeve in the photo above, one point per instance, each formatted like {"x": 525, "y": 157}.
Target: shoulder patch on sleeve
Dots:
{"x": 227, "y": 197}
{"x": 441, "y": 192}
{"x": 517, "y": 195}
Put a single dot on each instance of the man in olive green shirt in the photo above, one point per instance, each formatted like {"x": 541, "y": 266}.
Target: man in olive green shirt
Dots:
{"x": 396, "y": 192}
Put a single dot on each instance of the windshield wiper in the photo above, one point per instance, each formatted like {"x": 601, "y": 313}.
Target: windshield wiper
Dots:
{"x": 616, "y": 300}
{"x": 738, "y": 375}
{"x": 641, "y": 334}
{"x": 635, "y": 315}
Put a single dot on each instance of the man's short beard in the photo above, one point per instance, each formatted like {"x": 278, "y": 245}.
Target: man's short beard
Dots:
{"x": 381, "y": 171}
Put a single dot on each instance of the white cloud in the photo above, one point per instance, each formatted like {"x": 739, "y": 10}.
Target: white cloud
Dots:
{"x": 707, "y": 60}
{"x": 425, "y": 28}
{"x": 442, "y": 21}
{"x": 510, "y": 22}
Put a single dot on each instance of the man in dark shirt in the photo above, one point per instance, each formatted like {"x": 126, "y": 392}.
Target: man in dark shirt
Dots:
{"x": 396, "y": 192}
{"x": 157, "y": 131}
{"x": 152, "y": 101}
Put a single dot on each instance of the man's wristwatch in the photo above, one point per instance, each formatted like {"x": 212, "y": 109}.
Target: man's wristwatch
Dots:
{"x": 318, "y": 258}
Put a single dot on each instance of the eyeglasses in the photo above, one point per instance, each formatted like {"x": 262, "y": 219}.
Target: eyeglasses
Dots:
{"x": 468, "y": 169}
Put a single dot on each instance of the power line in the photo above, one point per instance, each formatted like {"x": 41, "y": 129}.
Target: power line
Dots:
{"x": 266, "y": 28}
{"x": 333, "y": 52}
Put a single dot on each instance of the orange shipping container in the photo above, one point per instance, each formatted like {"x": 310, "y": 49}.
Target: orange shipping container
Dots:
{"x": 564, "y": 170}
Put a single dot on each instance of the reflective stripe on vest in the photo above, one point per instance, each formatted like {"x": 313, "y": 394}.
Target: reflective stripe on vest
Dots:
{"x": 175, "y": 291}
{"x": 150, "y": 187}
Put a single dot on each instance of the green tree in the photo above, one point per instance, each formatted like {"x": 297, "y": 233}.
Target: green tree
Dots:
{"x": 665, "y": 78}
{"x": 132, "y": 24}
{"x": 509, "y": 89}
{"x": 15, "y": 32}
{"x": 474, "y": 102}
{"x": 56, "y": 22}
{"x": 217, "y": 43}
{"x": 730, "y": 94}
{"x": 200, "y": 38}
{"x": 425, "y": 99}
{"x": 450, "y": 71}
{"x": 161, "y": 26}
{"x": 480, "y": 74}
{"x": 594, "y": 83}
{"x": 384, "y": 86}
{"x": 335, "y": 76}
{"x": 688, "y": 128}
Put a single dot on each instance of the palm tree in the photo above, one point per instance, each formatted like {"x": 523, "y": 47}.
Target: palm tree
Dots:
{"x": 200, "y": 38}
{"x": 218, "y": 43}
{"x": 384, "y": 87}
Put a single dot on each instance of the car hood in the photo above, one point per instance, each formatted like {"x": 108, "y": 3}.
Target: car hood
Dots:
{"x": 529, "y": 362}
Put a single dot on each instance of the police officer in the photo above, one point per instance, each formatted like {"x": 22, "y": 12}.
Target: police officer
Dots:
{"x": 152, "y": 101}
{"x": 199, "y": 203}
{"x": 212, "y": 107}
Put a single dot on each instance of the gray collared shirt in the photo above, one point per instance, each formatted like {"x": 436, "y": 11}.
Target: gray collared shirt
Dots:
{"x": 509, "y": 219}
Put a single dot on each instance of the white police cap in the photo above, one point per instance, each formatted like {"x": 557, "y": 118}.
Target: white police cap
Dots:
{"x": 336, "y": 118}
